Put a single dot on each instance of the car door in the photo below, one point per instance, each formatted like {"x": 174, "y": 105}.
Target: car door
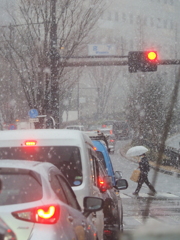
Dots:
{"x": 67, "y": 217}
{"x": 82, "y": 227}
{"x": 98, "y": 217}
{"x": 75, "y": 218}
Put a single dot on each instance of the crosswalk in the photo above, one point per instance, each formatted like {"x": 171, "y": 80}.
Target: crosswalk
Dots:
{"x": 159, "y": 195}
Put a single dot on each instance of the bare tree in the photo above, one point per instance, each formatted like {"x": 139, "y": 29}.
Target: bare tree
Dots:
{"x": 12, "y": 102}
{"x": 41, "y": 29}
{"x": 103, "y": 79}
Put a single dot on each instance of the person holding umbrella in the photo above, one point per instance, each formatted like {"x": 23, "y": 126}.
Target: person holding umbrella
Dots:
{"x": 143, "y": 166}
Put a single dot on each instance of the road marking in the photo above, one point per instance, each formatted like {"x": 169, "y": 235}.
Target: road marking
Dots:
{"x": 159, "y": 195}
{"x": 122, "y": 195}
{"x": 165, "y": 195}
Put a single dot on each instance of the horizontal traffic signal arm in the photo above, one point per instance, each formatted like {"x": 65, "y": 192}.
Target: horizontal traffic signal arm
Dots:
{"x": 168, "y": 62}
{"x": 108, "y": 61}
{"x": 93, "y": 63}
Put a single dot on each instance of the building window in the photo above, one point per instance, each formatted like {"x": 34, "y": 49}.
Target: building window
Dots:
{"x": 172, "y": 25}
{"x": 138, "y": 20}
{"x": 158, "y": 23}
{"x": 152, "y": 22}
{"x": 145, "y": 21}
{"x": 131, "y": 18}
{"x": 116, "y": 16}
{"x": 124, "y": 17}
{"x": 101, "y": 17}
{"x": 109, "y": 16}
{"x": 165, "y": 23}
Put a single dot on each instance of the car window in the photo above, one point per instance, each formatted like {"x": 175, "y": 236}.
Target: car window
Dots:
{"x": 94, "y": 168}
{"x": 19, "y": 188}
{"x": 57, "y": 187}
{"x": 66, "y": 158}
{"x": 70, "y": 196}
{"x": 101, "y": 158}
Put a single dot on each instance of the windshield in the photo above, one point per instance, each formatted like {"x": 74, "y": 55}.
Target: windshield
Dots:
{"x": 66, "y": 158}
{"x": 99, "y": 64}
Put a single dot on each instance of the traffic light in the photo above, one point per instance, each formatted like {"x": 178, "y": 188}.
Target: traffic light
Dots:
{"x": 144, "y": 61}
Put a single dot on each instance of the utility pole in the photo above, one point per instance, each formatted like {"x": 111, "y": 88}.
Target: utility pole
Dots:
{"x": 54, "y": 59}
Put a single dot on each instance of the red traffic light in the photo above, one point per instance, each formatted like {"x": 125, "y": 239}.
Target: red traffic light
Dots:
{"x": 151, "y": 55}
{"x": 144, "y": 61}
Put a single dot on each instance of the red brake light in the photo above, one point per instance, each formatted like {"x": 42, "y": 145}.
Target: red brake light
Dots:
{"x": 111, "y": 132}
{"x": 111, "y": 140}
{"x": 108, "y": 232}
{"x": 44, "y": 214}
{"x": 101, "y": 182}
{"x": 30, "y": 143}
{"x": 8, "y": 233}
{"x": 102, "y": 185}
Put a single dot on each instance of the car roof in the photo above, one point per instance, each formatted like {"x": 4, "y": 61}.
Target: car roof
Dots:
{"x": 75, "y": 126}
{"x": 25, "y": 164}
{"x": 107, "y": 128}
{"x": 68, "y": 136}
{"x": 100, "y": 144}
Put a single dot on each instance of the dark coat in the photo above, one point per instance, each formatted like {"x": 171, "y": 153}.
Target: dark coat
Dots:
{"x": 144, "y": 165}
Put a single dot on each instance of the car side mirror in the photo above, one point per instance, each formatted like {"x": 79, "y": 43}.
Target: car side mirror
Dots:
{"x": 121, "y": 184}
{"x": 118, "y": 174}
{"x": 92, "y": 204}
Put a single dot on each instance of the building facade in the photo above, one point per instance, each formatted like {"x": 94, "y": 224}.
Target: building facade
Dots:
{"x": 139, "y": 25}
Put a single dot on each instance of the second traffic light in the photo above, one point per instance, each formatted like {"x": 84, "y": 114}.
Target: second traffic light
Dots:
{"x": 144, "y": 61}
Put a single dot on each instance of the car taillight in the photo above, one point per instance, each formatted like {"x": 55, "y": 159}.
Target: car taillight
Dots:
{"x": 111, "y": 132}
{"x": 108, "y": 232}
{"x": 102, "y": 185}
{"x": 43, "y": 214}
{"x": 111, "y": 140}
{"x": 8, "y": 234}
{"x": 30, "y": 143}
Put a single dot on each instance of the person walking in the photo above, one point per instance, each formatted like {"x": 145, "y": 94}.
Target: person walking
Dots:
{"x": 144, "y": 169}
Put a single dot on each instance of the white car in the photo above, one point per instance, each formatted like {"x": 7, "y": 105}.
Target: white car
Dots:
{"x": 37, "y": 202}
{"x": 76, "y": 127}
{"x": 71, "y": 151}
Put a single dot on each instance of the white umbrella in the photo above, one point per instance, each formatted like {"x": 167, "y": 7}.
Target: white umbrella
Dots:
{"x": 136, "y": 151}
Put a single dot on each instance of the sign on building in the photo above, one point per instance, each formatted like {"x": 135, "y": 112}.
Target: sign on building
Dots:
{"x": 101, "y": 49}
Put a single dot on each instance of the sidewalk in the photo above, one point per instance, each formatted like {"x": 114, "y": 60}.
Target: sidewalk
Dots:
{"x": 164, "y": 169}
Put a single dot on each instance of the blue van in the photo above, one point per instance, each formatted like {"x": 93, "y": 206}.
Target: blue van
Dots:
{"x": 113, "y": 210}
{"x": 102, "y": 150}
{"x": 103, "y": 155}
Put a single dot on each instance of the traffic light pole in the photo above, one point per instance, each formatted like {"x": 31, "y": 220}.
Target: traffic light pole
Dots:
{"x": 92, "y": 61}
{"x": 168, "y": 62}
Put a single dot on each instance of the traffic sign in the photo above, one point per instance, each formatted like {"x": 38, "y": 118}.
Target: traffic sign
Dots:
{"x": 101, "y": 49}
{"x": 12, "y": 127}
{"x": 34, "y": 120}
{"x": 33, "y": 113}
